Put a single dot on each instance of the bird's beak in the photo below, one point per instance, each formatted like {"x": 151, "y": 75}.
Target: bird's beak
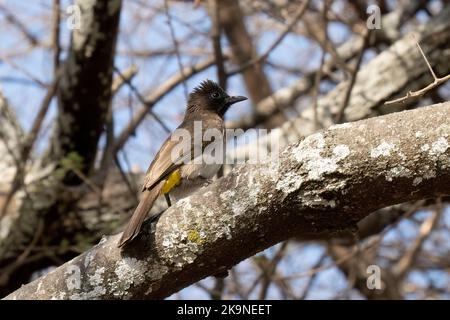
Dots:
{"x": 233, "y": 99}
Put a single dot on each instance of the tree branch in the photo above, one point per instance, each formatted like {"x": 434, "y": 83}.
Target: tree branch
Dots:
{"x": 84, "y": 93}
{"x": 321, "y": 187}
{"x": 392, "y": 72}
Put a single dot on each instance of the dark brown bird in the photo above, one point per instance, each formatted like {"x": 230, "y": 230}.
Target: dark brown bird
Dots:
{"x": 183, "y": 175}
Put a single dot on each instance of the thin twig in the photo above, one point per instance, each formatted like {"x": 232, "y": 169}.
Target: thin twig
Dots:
{"x": 318, "y": 75}
{"x": 321, "y": 36}
{"x": 215, "y": 36}
{"x": 131, "y": 187}
{"x": 425, "y": 57}
{"x": 268, "y": 270}
{"x": 142, "y": 100}
{"x": 355, "y": 250}
{"x": 27, "y": 147}
{"x": 27, "y": 73}
{"x": 340, "y": 114}
{"x": 275, "y": 44}
{"x": 55, "y": 35}
{"x": 11, "y": 18}
{"x": 311, "y": 279}
{"x": 108, "y": 150}
{"x": 414, "y": 94}
{"x": 426, "y": 228}
{"x": 157, "y": 94}
{"x": 176, "y": 47}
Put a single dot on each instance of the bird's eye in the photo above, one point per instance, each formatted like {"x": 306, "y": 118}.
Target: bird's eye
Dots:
{"x": 215, "y": 95}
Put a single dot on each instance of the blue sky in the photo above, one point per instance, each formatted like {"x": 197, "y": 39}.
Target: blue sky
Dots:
{"x": 138, "y": 32}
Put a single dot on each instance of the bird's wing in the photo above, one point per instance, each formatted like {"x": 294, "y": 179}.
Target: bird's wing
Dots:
{"x": 163, "y": 164}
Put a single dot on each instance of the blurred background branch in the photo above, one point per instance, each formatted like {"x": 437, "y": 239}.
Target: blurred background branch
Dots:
{"x": 86, "y": 100}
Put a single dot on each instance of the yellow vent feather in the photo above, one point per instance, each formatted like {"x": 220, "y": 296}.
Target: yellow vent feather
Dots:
{"x": 172, "y": 181}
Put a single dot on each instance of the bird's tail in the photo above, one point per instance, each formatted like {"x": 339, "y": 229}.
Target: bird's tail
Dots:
{"x": 139, "y": 214}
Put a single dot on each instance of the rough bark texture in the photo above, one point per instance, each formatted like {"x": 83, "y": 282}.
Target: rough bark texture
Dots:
{"x": 84, "y": 95}
{"x": 11, "y": 136}
{"x": 321, "y": 187}
{"x": 285, "y": 98}
{"x": 390, "y": 75}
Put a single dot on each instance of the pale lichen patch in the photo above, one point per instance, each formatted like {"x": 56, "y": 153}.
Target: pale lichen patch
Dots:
{"x": 97, "y": 278}
{"x": 425, "y": 147}
{"x": 129, "y": 271}
{"x": 96, "y": 282}
{"x": 73, "y": 277}
{"x": 429, "y": 173}
{"x": 320, "y": 166}
{"x": 341, "y": 152}
{"x": 208, "y": 194}
{"x": 443, "y": 130}
{"x": 397, "y": 172}
{"x": 89, "y": 258}
{"x": 402, "y": 156}
{"x": 384, "y": 149}
{"x": 417, "y": 181}
{"x": 227, "y": 195}
{"x": 439, "y": 147}
{"x": 425, "y": 173}
{"x": 178, "y": 249}
{"x": 38, "y": 289}
{"x": 312, "y": 199}
{"x": 289, "y": 183}
{"x": 254, "y": 187}
{"x": 309, "y": 154}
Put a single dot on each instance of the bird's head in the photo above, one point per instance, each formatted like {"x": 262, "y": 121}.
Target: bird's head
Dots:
{"x": 210, "y": 96}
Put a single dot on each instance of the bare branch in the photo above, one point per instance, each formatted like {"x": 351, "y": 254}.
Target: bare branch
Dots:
{"x": 298, "y": 198}
{"x": 157, "y": 95}
{"x": 274, "y": 45}
{"x": 436, "y": 81}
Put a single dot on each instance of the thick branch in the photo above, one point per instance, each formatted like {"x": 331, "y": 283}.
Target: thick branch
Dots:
{"x": 393, "y": 72}
{"x": 84, "y": 96}
{"x": 11, "y": 138}
{"x": 84, "y": 91}
{"x": 285, "y": 97}
{"x": 321, "y": 186}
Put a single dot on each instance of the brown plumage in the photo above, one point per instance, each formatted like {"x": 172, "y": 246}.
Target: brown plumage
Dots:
{"x": 207, "y": 103}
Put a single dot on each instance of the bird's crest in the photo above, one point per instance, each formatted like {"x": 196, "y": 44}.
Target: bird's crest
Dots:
{"x": 204, "y": 88}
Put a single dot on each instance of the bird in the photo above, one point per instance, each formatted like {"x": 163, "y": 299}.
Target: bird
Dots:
{"x": 180, "y": 175}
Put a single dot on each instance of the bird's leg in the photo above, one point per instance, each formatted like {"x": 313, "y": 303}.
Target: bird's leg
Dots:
{"x": 169, "y": 203}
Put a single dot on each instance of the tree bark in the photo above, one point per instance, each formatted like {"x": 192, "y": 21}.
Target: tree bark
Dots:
{"x": 390, "y": 75}
{"x": 321, "y": 187}
{"x": 84, "y": 96}
{"x": 84, "y": 90}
